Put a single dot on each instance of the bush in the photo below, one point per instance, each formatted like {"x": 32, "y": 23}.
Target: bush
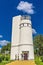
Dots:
{"x": 0, "y": 59}
{"x": 42, "y": 58}
{"x": 6, "y": 58}
{"x": 3, "y": 57}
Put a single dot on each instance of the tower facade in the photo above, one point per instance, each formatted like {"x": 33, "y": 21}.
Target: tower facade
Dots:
{"x": 22, "y": 42}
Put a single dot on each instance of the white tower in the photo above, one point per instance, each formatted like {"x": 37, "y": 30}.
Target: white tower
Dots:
{"x": 22, "y": 42}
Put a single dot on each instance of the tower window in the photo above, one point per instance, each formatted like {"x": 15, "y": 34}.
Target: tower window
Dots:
{"x": 25, "y": 25}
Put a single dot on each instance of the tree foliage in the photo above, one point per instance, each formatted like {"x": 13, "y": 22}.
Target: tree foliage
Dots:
{"x": 6, "y": 48}
{"x": 38, "y": 44}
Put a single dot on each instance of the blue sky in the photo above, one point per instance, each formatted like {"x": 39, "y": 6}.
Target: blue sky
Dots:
{"x": 8, "y": 9}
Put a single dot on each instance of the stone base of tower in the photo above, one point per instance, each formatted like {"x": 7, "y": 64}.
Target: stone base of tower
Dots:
{"x": 24, "y": 62}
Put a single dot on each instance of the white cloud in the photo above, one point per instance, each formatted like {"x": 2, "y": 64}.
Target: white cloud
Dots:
{"x": 26, "y": 7}
{"x": 1, "y": 36}
{"x": 4, "y": 42}
{"x": 34, "y": 31}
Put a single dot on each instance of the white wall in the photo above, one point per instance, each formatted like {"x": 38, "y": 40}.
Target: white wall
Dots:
{"x": 15, "y": 30}
{"x": 14, "y": 51}
{"x": 26, "y": 33}
{"x": 15, "y": 36}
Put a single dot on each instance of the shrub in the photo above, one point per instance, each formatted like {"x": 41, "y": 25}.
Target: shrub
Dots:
{"x": 0, "y": 59}
{"x": 42, "y": 58}
{"x": 6, "y": 58}
{"x": 3, "y": 57}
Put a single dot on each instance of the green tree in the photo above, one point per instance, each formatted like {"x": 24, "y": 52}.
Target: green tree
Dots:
{"x": 6, "y": 48}
{"x": 38, "y": 44}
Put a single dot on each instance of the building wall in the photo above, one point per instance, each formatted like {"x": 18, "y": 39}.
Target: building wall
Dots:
{"x": 15, "y": 36}
{"x": 26, "y": 38}
{"x": 15, "y": 30}
{"x": 26, "y": 35}
{"x": 14, "y": 51}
